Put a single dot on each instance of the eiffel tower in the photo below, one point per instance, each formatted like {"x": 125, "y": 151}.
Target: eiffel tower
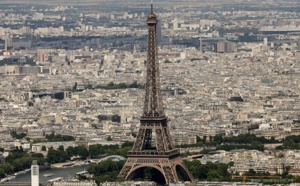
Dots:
{"x": 153, "y": 146}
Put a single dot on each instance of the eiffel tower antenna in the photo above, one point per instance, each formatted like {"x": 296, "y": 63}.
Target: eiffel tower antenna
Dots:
{"x": 151, "y": 6}
{"x": 153, "y": 146}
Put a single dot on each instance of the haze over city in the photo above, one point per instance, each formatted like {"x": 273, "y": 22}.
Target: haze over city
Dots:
{"x": 128, "y": 93}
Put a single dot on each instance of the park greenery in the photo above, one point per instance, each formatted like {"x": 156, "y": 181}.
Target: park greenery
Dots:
{"x": 242, "y": 141}
{"x": 209, "y": 171}
{"x": 106, "y": 171}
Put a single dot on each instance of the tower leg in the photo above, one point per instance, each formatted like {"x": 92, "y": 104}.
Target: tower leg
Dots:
{"x": 185, "y": 169}
{"x": 166, "y": 166}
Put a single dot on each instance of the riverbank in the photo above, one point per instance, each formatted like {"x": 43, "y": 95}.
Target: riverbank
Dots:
{"x": 46, "y": 175}
{"x": 68, "y": 164}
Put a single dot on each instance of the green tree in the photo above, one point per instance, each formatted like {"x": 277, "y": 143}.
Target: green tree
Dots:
{"x": 44, "y": 148}
{"x": 204, "y": 139}
{"x": 251, "y": 172}
{"x": 198, "y": 139}
{"x": 218, "y": 139}
{"x": 82, "y": 151}
{"x": 8, "y": 168}
{"x": 71, "y": 151}
{"x": 2, "y": 173}
{"x": 37, "y": 155}
{"x": 61, "y": 148}
{"x": 57, "y": 156}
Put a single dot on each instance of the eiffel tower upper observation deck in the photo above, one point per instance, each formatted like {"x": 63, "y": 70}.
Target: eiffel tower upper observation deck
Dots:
{"x": 153, "y": 146}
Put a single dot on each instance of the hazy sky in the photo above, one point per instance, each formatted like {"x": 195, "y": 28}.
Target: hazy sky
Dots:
{"x": 158, "y": 3}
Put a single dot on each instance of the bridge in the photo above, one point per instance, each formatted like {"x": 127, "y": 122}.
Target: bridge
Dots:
{"x": 112, "y": 157}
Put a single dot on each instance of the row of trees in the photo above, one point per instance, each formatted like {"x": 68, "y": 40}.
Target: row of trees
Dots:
{"x": 55, "y": 138}
{"x": 240, "y": 139}
{"x": 98, "y": 151}
{"x": 243, "y": 141}
{"x": 253, "y": 146}
{"x": 290, "y": 142}
{"x": 82, "y": 152}
{"x": 112, "y": 85}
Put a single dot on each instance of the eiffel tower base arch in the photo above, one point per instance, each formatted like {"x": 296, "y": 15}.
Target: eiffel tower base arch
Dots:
{"x": 166, "y": 166}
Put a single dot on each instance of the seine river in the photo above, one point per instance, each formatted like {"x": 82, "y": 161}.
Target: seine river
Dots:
{"x": 67, "y": 172}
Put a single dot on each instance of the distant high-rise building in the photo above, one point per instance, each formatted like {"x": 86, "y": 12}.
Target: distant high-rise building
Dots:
{"x": 215, "y": 34}
{"x": 61, "y": 29}
{"x": 220, "y": 47}
{"x": 265, "y": 41}
{"x": 200, "y": 44}
{"x": 25, "y": 30}
{"x": 158, "y": 30}
{"x": 34, "y": 174}
{"x": 225, "y": 47}
{"x": 175, "y": 24}
{"x": 6, "y": 42}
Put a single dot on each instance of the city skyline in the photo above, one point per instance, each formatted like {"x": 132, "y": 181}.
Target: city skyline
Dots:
{"x": 73, "y": 79}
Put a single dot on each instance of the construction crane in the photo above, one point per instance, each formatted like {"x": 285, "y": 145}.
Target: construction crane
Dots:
{"x": 245, "y": 177}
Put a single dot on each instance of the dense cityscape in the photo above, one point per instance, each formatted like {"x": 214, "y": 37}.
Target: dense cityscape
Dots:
{"x": 73, "y": 90}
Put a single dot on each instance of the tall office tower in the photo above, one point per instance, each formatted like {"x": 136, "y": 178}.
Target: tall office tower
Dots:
{"x": 34, "y": 174}
{"x": 200, "y": 45}
{"x": 6, "y": 42}
{"x": 175, "y": 24}
{"x": 225, "y": 47}
{"x": 153, "y": 146}
{"x": 158, "y": 30}
{"x": 220, "y": 47}
{"x": 265, "y": 41}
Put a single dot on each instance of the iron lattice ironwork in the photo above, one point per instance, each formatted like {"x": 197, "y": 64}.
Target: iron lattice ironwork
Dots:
{"x": 153, "y": 146}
